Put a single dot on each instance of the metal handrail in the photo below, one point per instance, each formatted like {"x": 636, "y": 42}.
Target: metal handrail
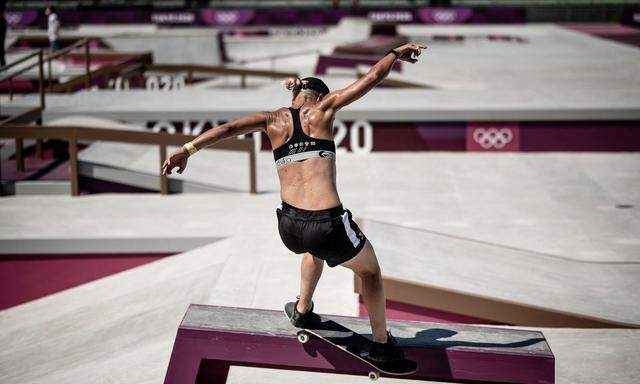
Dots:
{"x": 216, "y": 69}
{"x": 48, "y": 58}
{"x": 100, "y": 72}
{"x": 20, "y": 60}
{"x": 64, "y": 51}
{"x": 40, "y": 108}
{"x": 275, "y": 57}
{"x": 51, "y": 56}
{"x": 36, "y": 113}
{"x": 72, "y": 134}
{"x": 242, "y": 72}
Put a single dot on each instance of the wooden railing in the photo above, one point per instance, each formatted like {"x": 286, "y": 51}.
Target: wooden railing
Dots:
{"x": 73, "y": 134}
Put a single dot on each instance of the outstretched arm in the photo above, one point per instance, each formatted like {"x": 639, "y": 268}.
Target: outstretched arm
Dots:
{"x": 248, "y": 124}
{"x": 343, "y": 97}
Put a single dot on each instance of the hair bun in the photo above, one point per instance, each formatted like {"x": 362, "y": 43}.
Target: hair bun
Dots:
{"x": 293, "y": 84}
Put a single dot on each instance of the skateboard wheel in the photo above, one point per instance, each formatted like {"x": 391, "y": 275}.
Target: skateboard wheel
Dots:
{"x": 374, "y": 375}
{"x": 303, "y": 337}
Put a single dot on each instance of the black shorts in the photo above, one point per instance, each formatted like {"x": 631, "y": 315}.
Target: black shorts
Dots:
{"x": 329, "y": 234}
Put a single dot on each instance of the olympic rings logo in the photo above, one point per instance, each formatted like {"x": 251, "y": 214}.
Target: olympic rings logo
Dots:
{"x": 444, "y": 16}
{"x": 226, "y": 17}
{"x": 492, "y": 137}
{"x": 13, "y": 18}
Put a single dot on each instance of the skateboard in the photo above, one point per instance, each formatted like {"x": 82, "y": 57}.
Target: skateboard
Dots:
{"x": 349, "y": 341}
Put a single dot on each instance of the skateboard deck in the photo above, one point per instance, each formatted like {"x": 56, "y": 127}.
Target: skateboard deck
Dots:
{"x": 349, "y": 341}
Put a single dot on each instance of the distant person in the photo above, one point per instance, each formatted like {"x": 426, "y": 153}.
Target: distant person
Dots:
{"x": 53, "y": 28}
{"x": 3, "y": 35}
{"x": 311, "y": 219}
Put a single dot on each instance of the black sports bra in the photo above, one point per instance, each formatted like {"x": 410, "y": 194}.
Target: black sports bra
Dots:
{"x": 301, "y": 146}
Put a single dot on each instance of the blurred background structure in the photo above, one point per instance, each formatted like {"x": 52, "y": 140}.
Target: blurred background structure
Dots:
{"x": 498, "y": 179}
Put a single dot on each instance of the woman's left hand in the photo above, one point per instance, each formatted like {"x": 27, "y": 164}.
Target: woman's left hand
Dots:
{"x": 410, "y": 52}
{"x": 177, "y": 159}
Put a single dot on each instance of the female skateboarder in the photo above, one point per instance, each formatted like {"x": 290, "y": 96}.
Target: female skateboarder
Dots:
{"x": 311, "y": 219}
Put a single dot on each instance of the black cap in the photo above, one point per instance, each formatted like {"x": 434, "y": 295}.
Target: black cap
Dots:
{"x": 315, "y": 84}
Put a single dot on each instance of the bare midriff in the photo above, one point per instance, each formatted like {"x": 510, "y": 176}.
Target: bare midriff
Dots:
{"x": 309, "y": 184}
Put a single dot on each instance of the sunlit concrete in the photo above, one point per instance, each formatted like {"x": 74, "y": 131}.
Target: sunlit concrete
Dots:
{"x": 546, "y": 222}
{"x": 560, "y": 204}
{"x": 167, "y": 45}
{"x": 546, "y": 225}
{"x": 556, "y": 74}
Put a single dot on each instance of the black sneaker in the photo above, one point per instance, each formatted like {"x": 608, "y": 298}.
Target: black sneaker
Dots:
{"x": 300, "y": 319}
{"x": 386, "y": 352}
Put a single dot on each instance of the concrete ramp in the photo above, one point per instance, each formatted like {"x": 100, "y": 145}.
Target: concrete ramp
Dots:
{"x": 212, "y": 338}
{"x": 507, "y": 281}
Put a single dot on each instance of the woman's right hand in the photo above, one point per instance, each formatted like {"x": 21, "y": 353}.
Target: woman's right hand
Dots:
{"x": 409, "y": 52}
{"x": 177, "y": 159}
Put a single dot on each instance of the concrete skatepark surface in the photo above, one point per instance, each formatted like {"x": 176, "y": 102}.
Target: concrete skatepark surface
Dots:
{"x": 251, "y": 268}
{"x": 184, "y": 45}
{"x": 559, "y": 204}
{"x": 544, "y": 229}
{"x": 564, "y": 79}
{"x": 82, "y": 334}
